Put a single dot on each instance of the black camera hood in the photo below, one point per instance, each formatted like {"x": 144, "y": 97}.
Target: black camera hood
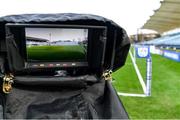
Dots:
{"x": 117, "y": 41}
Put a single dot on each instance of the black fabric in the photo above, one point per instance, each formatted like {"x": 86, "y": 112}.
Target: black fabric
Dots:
{"x": 69, "y": 81}
{"x": 1, "y": 104}
{"x": 2, "y": 63}
{"x": 78, "y": 19}
{"x": 45, "y": 104}
{"x": 121, "y": 50}
{"x": 113, "y": 104}
{"x": 2, "y": 69}
{"x": 94, "y": 101}
{"x": 13, "y": 54}
{"x": 48, "y": 97}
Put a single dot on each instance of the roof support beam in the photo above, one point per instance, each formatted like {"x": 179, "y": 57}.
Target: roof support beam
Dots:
{"x": 170, "y": 2}
{"x": 167, "y": 11}
{"x": 156, "y": 26}
{"x": 165, "y": 22}
{"x": 160, "y": 23}
{"x": 165, "y": 18}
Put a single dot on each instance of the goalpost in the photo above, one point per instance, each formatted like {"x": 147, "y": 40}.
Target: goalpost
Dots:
{"x": 141, "y": 52}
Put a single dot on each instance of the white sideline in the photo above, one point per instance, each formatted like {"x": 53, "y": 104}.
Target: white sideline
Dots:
{"x": 140, "y": 80}
{"x": 138, "y": 73}
{"x": 132, "y": 95}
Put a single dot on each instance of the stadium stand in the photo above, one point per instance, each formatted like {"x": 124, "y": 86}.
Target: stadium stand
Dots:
{"x": 171, "y": 41}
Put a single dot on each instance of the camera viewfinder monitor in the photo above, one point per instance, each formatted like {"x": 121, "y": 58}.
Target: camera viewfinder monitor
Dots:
{"x": 54, "y": 46}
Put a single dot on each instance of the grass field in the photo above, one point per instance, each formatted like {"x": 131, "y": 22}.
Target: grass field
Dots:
{"x": 177, "y": 50}
{"x": 70, "y": 52}
{"x": 165, "y": 100}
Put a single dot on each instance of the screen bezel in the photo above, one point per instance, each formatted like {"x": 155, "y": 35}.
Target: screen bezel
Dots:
{"x": 84, "y": 63}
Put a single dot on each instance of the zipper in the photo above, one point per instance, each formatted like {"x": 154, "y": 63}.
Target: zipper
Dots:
{"x": 8, "y": 80}
{"x": 107, "y": 75}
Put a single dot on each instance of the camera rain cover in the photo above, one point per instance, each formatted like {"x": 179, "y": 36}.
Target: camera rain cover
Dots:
{"x": 117, "y": 43}
{"x": 86, "y": 96}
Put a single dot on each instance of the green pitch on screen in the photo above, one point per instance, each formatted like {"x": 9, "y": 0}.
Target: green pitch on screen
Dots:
{"x": 55, "y": 53}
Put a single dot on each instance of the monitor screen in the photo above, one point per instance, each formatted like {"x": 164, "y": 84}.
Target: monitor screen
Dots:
{"x": 56, "y": 44}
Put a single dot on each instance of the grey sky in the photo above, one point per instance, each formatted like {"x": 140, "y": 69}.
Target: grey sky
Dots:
{"x": 130, "y": 14}
{"x": 57, "y": 33}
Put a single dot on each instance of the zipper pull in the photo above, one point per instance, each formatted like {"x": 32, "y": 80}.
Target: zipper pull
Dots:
{"x": 8, "y": 80}
{"x": 107, "y": 75}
